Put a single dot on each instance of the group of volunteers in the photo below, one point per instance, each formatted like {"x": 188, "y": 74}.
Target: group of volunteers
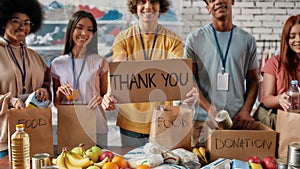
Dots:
{"x": 224, "y": 56}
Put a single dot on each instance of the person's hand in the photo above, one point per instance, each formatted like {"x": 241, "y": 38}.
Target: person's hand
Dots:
{"x": 108, "y": 102}
{"x": 42, "y": 94}
{"x": 192, "y": 97}
{"x": 283, "y": 101}
{"x": 243, "y": 119}
{"x": 212, "y": 113}
{"x": 19, "y": 104}
{"x": 65, "y": 89}
{"x": 95, "y": 102}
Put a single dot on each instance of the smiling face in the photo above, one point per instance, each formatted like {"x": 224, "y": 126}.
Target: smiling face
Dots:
{"x": 83, "y": 32}
{"x": 220, "y": 9}
{"x": 17, "y": 28}
{"x": 294, "y": 39}
{"x": 148, "y": 10}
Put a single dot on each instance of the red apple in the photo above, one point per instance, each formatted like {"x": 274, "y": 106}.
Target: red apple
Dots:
{"x": 254, "y": 159}
{"x": 269, "y": 162}
{"x": 108, "y": 154}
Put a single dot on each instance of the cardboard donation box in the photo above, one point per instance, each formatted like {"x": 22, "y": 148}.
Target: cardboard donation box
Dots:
{"x": 151, "y": 80}
{"x": 288, "y": 128}
{"x": 240, "y": 144}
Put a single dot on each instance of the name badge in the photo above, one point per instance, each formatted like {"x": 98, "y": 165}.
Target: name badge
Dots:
{"x": 222, "y": 81}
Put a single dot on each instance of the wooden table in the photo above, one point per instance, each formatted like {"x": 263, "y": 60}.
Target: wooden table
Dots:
{"x": 5, "y": 163}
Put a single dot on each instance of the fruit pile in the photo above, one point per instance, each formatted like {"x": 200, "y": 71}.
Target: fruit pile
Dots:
{"x": 92, "y": 158}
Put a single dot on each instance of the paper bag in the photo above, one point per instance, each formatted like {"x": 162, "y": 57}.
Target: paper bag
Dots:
{"x": 288, "y": 128}
{"x": 38, "y": 124}
{"x": 171, "y": 127}
{"x": 75, "y": 124}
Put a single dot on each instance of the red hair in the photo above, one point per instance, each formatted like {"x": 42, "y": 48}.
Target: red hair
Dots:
{"x": 287, "y": 55}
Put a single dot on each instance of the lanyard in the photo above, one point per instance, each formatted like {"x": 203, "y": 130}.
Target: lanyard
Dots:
{"x": 23, "y": 72}
{"x": 223, "y": 59}
{"x": 143, "y": 45}
{"x": 76, "y": 80}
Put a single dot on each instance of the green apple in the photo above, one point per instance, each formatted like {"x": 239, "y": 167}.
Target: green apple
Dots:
{"x": 96, "y": 149}
{"x": 93, "y": 167}
{"x": 94, "y": 156}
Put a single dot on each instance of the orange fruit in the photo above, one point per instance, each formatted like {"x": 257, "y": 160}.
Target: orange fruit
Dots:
{"x": 143, "y": 166}
{"x": 120, "y": 161}
{"x": 110, "y": 165}
{"x": 69, "y": 97}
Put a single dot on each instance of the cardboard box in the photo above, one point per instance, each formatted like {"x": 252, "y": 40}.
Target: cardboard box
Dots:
{"x": 240, "y": 144}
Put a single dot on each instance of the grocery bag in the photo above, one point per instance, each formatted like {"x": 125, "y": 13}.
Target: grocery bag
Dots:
{"x": 38, "y": 124}
{"x": 75, "y": 124}
{"x": 288, "y": 128}
{"x": 171, "y": 127}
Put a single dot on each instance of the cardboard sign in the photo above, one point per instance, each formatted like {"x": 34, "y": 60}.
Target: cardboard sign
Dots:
{"x": 151, "y": 81}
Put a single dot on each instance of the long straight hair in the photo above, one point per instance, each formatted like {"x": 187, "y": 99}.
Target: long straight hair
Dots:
{"x": 92, "y": 46}
{"x": 287, "y": 55}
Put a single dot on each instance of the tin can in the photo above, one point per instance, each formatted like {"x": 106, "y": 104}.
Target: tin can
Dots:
{"x": 294, "y": 154}
{"x": 224, "y": 119}
{"x": 292, "y": 167}
{"x": 282, "y": 163}
{"x": 40, "y": 160}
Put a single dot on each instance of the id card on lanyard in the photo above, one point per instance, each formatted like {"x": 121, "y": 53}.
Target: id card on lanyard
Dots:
{"x": 222, "y": 77}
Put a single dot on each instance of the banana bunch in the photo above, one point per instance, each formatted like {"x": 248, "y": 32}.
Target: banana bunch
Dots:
{"x": 70, "y": 160}
{"x": 101, "y": 163}
{"x": 201, "y": 153}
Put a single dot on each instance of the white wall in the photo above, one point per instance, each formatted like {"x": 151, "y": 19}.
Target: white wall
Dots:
{"x": 262, "y": 18}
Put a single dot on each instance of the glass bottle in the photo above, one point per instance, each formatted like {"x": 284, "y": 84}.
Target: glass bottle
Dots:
{"x": 20, "y": 148}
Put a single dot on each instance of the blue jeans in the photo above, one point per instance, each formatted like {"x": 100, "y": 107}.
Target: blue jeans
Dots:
{"x": 130, "y": 138}
{"x": 3, "y": 153}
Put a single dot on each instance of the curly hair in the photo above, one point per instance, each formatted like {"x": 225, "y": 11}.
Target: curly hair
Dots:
{"x": 30, "y": 7}
{"x": 69, "y": 43}
{"x": 132, "y": 6}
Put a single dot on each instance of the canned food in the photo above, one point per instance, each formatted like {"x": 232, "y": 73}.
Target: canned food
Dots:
{"x": 294, "y": 154}
{"x": 224, "y": 119}
{"x": 292, "y": 167}
{"x": 40, "y": 160}
{"x": 282, "y": 163}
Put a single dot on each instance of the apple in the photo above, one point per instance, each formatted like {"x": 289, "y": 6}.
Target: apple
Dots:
{"x": 94, "y": 156}
{"x": 96, "y": 149}
{"x": 254, "y": 159}
{"x": 108, "y": 154}
{"x": 269, "y": 162}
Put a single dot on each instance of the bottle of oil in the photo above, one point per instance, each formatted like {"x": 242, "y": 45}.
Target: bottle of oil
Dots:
{"x": 20, "y": 148}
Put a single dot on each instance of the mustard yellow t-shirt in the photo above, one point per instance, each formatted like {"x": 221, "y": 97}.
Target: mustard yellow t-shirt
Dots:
{"x": 137, "y": 116}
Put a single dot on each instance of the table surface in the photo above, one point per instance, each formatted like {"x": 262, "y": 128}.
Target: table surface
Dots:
{"x": 5, "y": 163}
